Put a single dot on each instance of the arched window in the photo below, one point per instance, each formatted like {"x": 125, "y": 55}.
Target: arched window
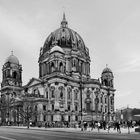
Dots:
{"x": 52, "y": 91}
{"x": 61, "y": 92}
{"x": 52, "y": 67}
{"x": 36, "y": 92}
{"x": 15, "y": 74}
{"x": 69, "y": 92}
{"x": 68, "y": 95}
{"x": 74, "y": 62}
{"x": 112, "y": 101}
{"x": 46, "y": 91}
{"x": 105, "y": 109}
{"x": 101, "y": 108}
{"x": 61, "y": 67}
{"x": 35, "y": 107}
{"x": 76, "y": 107}
{"x": 52, "y": 106}
{"x": 101, "y": 99}
{"x": 76, "y": 118}
{"x": 88, "y": 107}
{"x": 106, "y": 82}
{"x": 69, "y": 107}
{"x": 76, "y": 94}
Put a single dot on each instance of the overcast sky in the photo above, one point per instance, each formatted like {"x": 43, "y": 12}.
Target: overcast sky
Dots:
{"x": 109, "y": 28}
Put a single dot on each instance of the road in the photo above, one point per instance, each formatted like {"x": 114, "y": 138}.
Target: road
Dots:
{"x": 28, "y": 134}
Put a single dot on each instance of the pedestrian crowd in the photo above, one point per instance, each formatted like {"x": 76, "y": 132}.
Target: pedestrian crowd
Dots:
{"x": 116, "y": 125}
{"x": 91, "y": 125}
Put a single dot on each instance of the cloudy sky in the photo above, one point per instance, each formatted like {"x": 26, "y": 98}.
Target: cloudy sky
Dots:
{"x": 109, "y": 28}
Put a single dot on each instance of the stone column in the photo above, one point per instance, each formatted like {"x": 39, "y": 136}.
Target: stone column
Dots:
{"x": 66, "y": 106}
{"x": 72, "y": 107}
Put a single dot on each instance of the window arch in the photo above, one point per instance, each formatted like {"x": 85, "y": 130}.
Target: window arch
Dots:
{"x": 88, "y": 107}
{"x": 35, "y": 107}
{"x": 61, "y": 88}
{"x": 52, "y": 67}
{"x": 61, "y": 66}
{"x": 52, "y": 89}
{"x": 69, "y": 93}
{"x": 76, "y": 107}
{"x": 14, "y": 74}
{"x": 76, "y": 94}
{"x": 74, "y": 62}
{"x": 46, "y": 92}
{"x": 106, "y": 82}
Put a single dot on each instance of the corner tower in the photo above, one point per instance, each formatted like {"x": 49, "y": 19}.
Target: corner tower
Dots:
{"x": 107, "y": 77}
{"x": 12, "y": 75}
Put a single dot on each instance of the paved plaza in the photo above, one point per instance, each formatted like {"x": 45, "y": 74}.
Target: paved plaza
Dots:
{"x": 35, "y": 133}
{"x": 75, "y": 130}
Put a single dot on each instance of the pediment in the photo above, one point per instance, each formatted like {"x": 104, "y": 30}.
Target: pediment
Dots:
{"x": 34, "y": 81}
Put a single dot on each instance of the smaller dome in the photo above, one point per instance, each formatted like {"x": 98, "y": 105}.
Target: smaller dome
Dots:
{"x": 57, "y": 49}
{"x": 12, "y": 59}
{"x": 107, "y": 70}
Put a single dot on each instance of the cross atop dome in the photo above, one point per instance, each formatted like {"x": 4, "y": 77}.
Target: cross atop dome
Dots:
{"x": 64, "y": 22}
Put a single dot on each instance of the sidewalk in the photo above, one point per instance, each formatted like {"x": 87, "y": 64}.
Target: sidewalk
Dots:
{"x": 75, "y": 130}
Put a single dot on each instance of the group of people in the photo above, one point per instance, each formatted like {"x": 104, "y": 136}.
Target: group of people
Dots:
{"x": 116, "y": 125}
{"x": 90, "y": 126}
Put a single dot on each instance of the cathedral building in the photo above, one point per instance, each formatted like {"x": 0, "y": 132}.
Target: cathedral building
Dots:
{"x": 64, "y": 90}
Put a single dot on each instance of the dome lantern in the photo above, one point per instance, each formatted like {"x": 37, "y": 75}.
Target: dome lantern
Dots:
{"x": 64, "y": 21}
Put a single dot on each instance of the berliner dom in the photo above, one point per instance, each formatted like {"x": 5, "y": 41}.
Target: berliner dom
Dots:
{"x": 64, "y": 92}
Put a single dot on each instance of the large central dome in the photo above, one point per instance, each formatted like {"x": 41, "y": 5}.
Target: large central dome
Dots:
{"x": 65, "y": 38}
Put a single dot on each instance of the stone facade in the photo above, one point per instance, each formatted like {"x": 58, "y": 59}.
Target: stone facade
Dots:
{"x": 64, "y": 90}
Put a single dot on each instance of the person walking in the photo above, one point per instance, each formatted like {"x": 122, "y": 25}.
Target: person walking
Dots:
{"x": 118, "y": 127}
{"x": 98, "y": 126}
{"x": 108, "y": 126}
{"x": 128, "y": 126}
{"x": 92, "y": 125}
